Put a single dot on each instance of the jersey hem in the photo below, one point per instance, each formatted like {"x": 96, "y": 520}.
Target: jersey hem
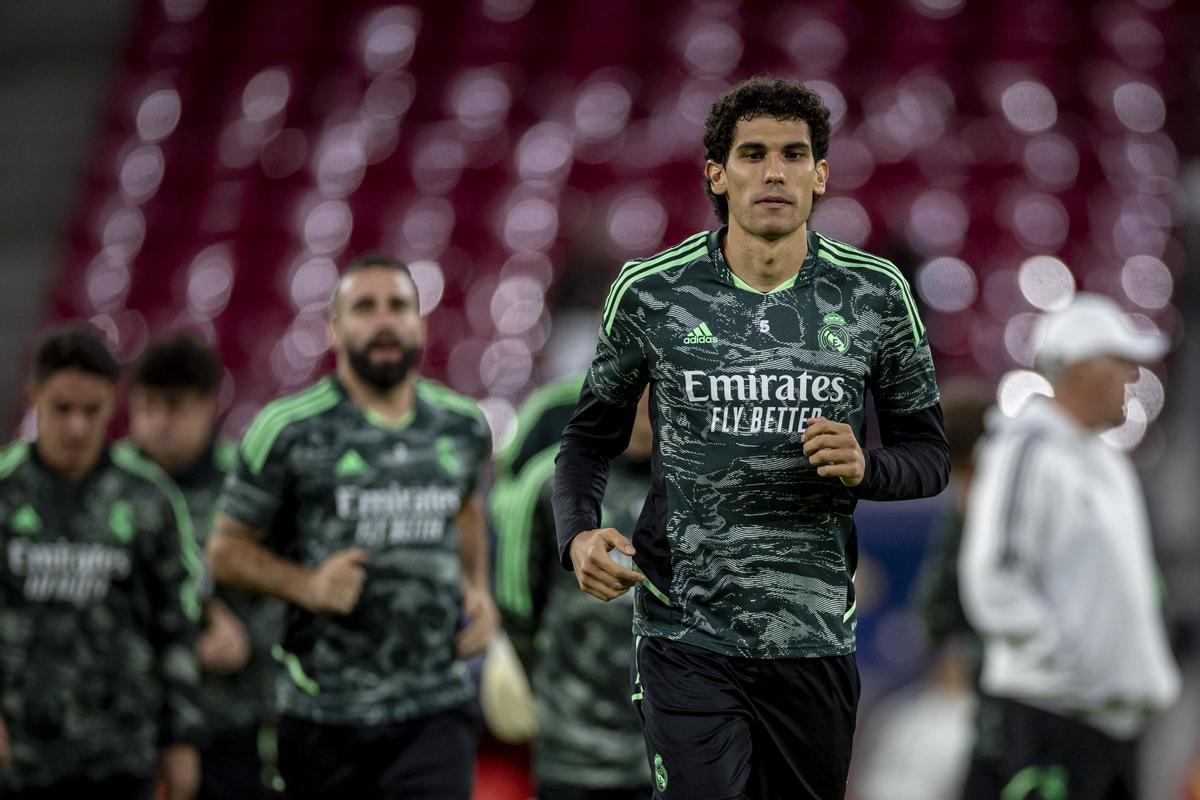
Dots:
{"x": 691, "y": 637}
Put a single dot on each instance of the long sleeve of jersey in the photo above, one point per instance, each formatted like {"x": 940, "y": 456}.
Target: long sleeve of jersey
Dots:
{"x": 526, "y": 552}
{"x": 174, "y": 569}
{"x": 596, "y": 434}
{"x": 914, "y": 460}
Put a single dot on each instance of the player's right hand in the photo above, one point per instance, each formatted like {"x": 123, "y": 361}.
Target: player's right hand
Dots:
{"x": 337, "y": 582}
{"x": 599, "y": 575}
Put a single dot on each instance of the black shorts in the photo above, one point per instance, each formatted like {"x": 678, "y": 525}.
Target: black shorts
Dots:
{"x": 1025, "y": 753}
{"x": 431, "y": 757}
{"x": 720, "y": 727}
{"x": 231, "y": 767}
{"x": 123, "y": 787}
{"x": 562, "y": 791}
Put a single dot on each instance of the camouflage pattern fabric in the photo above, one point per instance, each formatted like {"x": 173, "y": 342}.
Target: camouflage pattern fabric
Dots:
{"x": 240, "y": 701}
{"x": 320, "y": 476}
{"x": 762, "y": 550}
{"x": 98, "y": 617}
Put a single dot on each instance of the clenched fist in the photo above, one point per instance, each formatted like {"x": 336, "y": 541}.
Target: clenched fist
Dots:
{"x": 337, "y": 582}
{"x": 599, "y": 575}
{"x": 833, "y": 450}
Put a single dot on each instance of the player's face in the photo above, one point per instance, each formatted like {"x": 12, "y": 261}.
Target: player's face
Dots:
{"x": 377, "y": 327}
{"x": 769, "y": 177}
{"x": 73, "y": 411}
{"x": 1101, "y": 383}
{"x": 171, "y": 426}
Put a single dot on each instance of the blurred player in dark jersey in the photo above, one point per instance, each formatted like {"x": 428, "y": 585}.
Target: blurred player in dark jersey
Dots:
{"x": 98, "y": 599}
{"x": 759, "y": 342}
{"x": 172, "y": 422}
{"x": 355, "y": 501}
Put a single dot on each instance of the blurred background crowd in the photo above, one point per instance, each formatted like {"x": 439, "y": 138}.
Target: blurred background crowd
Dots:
{"x": 207, "y": 165}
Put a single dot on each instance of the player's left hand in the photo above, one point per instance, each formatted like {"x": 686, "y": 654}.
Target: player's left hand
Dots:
{"x": 833, "y": 450}
{"x": 482, "y": 620}
{"x": 179, "y": 769}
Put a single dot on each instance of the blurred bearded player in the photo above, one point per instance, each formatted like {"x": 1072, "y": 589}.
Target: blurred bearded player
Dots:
{"x": 355, "y": 501}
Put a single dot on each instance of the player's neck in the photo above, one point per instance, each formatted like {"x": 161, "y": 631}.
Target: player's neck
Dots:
{"x": 393, "y": 405}
{"x": 70, "y": 470}
{"x": 765, "y": 263}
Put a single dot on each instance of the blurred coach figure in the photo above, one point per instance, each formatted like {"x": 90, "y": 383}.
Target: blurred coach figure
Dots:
{"x": 1058, "y": 576}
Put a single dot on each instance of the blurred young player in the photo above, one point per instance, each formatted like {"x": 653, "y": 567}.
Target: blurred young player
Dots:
{"x": 1058, "y": 576}
{"x": 759, "y": 342}
{"x": 172, "y": 422}
{"x": 355, "y": 501}
{"x": 98, "y": 599}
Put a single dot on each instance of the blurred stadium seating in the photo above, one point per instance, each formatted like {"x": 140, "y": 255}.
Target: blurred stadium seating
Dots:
{"x": 506, "y": 147}
{"x": 515, "y": 152}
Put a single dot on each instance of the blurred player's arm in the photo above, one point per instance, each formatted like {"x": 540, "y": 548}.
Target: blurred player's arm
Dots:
{"x": 478, "y": 606}
{"x": 173, "y": 572}
{"x": 527, "y": 556}
{"x": 237, "y": 556}
{"x": 1012, "y": 517}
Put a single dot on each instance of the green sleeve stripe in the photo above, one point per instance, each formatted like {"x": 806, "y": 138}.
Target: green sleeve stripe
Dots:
{"x": 189, "y": 553}
{"x": 856, "y": 256}
{"x": 439, "y": 395}
{"x": 515, "y": 531}
{"x": 257, "y": 443}
{"x": 856, "y": 260}
{"x": 497, "y": 513}
{"x": 225, "y": 455}
{"x": 282, "y": 407}
{"x": 558, "y": 393}
{"x": 849, "y": 256}
{"x": 12, "y": 457}
{"x": 630, "y": 277}
{"x": 295, "y": 670}
{"x": 850, "y": 611}
{"x": 657, "y": 258}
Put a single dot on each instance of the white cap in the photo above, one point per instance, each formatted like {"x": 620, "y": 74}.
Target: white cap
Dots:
{"x": 1091, "y": 326}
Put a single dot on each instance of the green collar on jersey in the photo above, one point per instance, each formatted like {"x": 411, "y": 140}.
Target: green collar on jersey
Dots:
{"x": 718, "y": 257}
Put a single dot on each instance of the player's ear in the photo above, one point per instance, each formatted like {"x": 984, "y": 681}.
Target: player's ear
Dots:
{"x": 716, "y": 176}
{"x": 822, "y": 176}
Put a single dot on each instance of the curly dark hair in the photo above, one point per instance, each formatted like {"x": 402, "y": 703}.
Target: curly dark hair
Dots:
{"x": 761, "y": 96}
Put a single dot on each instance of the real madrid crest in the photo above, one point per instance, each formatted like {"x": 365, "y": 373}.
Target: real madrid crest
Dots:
{"x": 833, "y": 337}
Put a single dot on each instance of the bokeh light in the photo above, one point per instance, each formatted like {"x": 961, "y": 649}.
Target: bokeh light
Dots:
{"x": 1017, "y": 387}
{"x": 947, "y": 284}
{"x": 1046, "y": 283}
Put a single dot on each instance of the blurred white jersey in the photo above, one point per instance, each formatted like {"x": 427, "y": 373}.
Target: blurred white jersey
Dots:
{"x": 1058, "y": 576}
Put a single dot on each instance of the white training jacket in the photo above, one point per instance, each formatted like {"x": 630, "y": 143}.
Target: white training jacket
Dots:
{"x": 1057, "y": 575}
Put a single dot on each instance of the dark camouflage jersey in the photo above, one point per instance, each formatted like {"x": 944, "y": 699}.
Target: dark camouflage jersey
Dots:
{"x": 320, "y": 476}
{"x": 575, "y": 649}
{"x": 236, "y": 702}
{"x": 98, "y": 616}
{"x": 760, "y": 552}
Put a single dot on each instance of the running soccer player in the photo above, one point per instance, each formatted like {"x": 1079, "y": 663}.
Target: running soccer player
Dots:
{"x": 587, "y": 744}
{"x": 98, "y": 602}
{"x": 172, "y": 422}
{"x": 759, "y": 342}
{"x": 355, "y": 502}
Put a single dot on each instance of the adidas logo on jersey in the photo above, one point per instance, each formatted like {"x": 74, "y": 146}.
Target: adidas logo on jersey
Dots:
{"x": 700, "y": 335}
